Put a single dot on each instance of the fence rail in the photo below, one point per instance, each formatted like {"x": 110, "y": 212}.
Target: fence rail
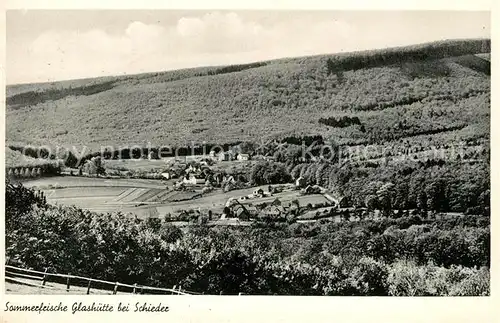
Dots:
{"x": 43, "y": 276}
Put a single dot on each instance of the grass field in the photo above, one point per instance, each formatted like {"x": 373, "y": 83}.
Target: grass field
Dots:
{"x": 70, "y": 181}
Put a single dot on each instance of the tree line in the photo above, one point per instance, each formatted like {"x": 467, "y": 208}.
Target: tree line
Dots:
{"x": 41, "y": 169}
{"x": 341, "y": 122}
{"x": 36, "y": 97}
{"x": 392, "y": 56}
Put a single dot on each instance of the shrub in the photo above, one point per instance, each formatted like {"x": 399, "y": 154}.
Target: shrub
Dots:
{"x": 407, "y": 279}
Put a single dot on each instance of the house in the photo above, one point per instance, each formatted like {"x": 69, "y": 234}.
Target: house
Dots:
{"x": 300, "y": 182}
{"x": 273, "y": 211}
{"x": 276, "y": 201}
{"x": 225, "y": 156}
{"x": 166, "y": 175}
{"x": 291, "y": 206}
{"x": 228, "y": 179}
{"x": 193, "y": 169}
{"x": 258, "y": 192}
{"x": 311, "y": 190}
{"x": 240, "y": 212}
{"x": 212, "y": 154}
{"x": 252, "y": 210}
{"x": 193, "y": 180}
{"x": 242, "y": 157}
{"x": 244, "y": 212}
{"x": 344, "y": 202}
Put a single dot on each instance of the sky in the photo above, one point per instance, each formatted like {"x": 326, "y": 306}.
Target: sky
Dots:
{"x": 52, "y": 45}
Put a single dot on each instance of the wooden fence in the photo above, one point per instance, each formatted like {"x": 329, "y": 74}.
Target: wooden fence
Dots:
{"x": 16, "y": 275}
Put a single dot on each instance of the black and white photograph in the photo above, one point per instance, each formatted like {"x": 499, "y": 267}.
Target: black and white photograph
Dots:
{"x": 247, "y": 153}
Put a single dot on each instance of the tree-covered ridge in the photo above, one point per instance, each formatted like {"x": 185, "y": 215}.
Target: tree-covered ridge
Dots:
{"x": 179, "y": 106}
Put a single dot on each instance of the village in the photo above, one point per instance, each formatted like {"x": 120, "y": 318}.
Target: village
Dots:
{"x": 211, "y": 189}
{"x": 295, "y": 201}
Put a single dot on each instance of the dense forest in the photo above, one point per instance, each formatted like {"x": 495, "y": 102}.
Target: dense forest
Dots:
{"x": 443, "y": 82}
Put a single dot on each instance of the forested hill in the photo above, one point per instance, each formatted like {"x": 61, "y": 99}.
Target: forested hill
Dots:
{"x": 439, "y": 89}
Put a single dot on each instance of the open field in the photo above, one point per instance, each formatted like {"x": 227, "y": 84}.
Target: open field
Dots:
{"x": 70, "y": 181}
{"x": 99, "y": 195}
{"x": 141, "y": 197}
{"x": 83, "y": 192}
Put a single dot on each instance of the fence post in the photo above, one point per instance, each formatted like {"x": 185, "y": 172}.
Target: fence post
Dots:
{"x": 7, "y": 259}
{"x": 142, "y": 291}
{"x": 173, "y": 289}
{"x": 115, "y": 289}
{"x": 135, "y": 287}
{"x": 44, "y": 277}
{"x": 67, "y": 282}
{"x": 88, "y": 287}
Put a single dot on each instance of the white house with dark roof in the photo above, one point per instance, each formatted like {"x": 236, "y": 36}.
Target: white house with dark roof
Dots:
{"x": 243, "y": 157}
{"x": 194, "y": 180}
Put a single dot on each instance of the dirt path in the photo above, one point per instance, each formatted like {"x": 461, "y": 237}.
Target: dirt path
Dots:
{"x": 33, "y": 287}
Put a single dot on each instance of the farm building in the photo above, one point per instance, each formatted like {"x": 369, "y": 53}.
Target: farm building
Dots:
{"x": 252, "y": 210}
{"x": 276, "y": 201}
{"x": 258, "y": 192}
{"x": 194, "y": 180}
{"x": 244, "y": 212}
{"x": 228, "y": 179}
{"x": 242, "y": 157}
{"x": 166, "y": 175}
{"x": 193, "y": 169}
{"x": 225, "y": 156}
{"x": 213, "y": 154}
{"x": 273, "y": 211}
{"x": 240, "y": 212}
{"x": 300, "y": 182}
{"x": 343, "y": 202}
{"x": 311, "y": 190}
